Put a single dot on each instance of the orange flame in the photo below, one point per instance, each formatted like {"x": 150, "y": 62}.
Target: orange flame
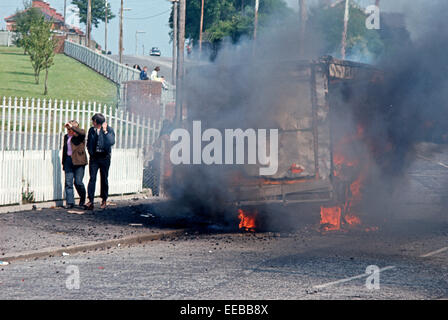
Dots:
{"x": 344, "y": 159}
{"x": 330, "y": 218}
{"x": 247, "y": 220}
{"x": 352, "y": 220}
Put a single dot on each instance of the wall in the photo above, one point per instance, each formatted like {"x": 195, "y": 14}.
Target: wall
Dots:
{"x": 6, "y": 38}
{"x": 40, "y": 172}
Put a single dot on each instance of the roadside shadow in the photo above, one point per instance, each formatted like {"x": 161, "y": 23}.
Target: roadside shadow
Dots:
{"x": 13, "y": 53}
{"x": 21, "y": 73}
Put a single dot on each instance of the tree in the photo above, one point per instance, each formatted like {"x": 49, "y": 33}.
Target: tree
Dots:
{"x": 228, "y": 18}
{"x": 98, "y": 11}
{"x": 40, "y": 46}
{"x": 361, "y": 42}
{"x": 24, "y": 20}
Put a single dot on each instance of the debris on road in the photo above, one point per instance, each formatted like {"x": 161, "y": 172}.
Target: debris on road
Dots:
{"x": 76, "y": 212}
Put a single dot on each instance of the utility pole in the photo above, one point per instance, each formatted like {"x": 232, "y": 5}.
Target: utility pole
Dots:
{"x": 120, "y": 41}
{"x": 105, "y": 28}
{"x": 89, "y": 21}
{"x": 344, "y": 34}
{"x": 175, "y": 35}
{"x": 257, "y": 4}
{"x": 180, "y": 62}
{"x": 65, "y": 11}
{"x": 201, "y": 26}
{"x": 303, "y": 20}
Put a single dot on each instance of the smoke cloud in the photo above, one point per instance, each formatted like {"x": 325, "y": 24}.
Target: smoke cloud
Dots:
{"x": 243, "y": 85}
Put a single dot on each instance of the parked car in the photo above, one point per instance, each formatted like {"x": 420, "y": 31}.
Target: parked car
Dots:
{"x": 155, "y": 52}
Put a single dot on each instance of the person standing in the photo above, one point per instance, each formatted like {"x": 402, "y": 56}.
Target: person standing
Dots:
{"x": 74, "y": 160}
{"x": 100, "y": 140}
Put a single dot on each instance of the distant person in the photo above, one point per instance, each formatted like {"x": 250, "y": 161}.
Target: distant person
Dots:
{"x": 144, "y": 73}
{"x": 74, "y": 160}
{"x": 137, "y": 67}
{"x": 155, "y": 77}
{"x": 100, "y": 140}
{"x": 155, "y": 74}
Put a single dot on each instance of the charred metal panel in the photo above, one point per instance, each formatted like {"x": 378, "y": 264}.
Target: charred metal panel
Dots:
{"x": 323, "y": 122}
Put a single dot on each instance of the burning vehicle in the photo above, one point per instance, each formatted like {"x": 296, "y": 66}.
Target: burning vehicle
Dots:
{"x": 323, "y": 153}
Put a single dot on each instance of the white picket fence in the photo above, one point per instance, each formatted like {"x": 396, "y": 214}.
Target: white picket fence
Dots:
{"x": 111, "y": 69}
{"x": 40, "y": 173}
{"x": 35, "y": 124}
{"x": 31, "y": 139}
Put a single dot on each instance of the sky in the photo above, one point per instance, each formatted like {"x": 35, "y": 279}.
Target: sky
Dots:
{"x": 149, "y": 16}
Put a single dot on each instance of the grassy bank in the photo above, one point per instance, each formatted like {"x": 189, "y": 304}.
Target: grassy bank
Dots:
{"x": 67, "y": 79}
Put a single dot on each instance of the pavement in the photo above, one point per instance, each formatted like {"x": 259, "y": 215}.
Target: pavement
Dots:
{"x": 54, "y": 230}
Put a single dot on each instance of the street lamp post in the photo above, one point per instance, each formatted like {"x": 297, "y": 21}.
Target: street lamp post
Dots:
{"x": 136, "y": 41}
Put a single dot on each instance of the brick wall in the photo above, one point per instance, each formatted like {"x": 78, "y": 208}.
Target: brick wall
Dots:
{"x": 142, "y": 97}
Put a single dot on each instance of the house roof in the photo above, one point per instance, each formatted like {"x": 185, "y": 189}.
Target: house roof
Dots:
{"x": 44, "y": 7}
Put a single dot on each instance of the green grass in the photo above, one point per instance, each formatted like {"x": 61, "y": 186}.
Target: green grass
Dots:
{"x": 68, "y": 79}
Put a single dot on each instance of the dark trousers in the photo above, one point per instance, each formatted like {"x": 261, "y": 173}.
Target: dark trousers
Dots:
{"x": 76, "y": 173}
{"x": 102, "y": 163}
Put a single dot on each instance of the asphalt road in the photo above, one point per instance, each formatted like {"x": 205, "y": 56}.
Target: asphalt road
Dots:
{"x": 409, "y": 249}
{"x": 302, "y": 265}
{"x": 151, "y": 62}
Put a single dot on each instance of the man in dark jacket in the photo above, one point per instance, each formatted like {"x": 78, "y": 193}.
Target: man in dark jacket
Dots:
{"x": 100, "y": 140}
{"x": 74, "y": 160}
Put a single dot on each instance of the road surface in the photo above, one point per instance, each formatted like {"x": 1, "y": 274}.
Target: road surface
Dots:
{"x": 302, "y": 265}
{"x": 406, "y": 257}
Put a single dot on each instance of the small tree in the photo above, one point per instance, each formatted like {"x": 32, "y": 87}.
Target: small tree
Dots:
{"x": 24, "y": 20}
{"x": 40, "y": 46}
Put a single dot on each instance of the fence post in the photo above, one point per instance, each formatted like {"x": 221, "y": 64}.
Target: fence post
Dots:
{"x": 61, "y": 111}
{"x": 33, "y": 121}
{"x": 42, "y": 142}
{"x": 19, "y": 133}
{"x": 25, "y": 136}
{"x": 55, "y": 111}
{"x": 14, "y": 128}
{"x": 38, "y": 122}
{"x": 131, "y": 144}
{"x": 3, "y": 122}
{"x": 48, "y": 147}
